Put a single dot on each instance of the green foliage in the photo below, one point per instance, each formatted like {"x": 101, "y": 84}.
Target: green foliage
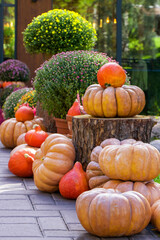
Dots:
{"x": 59, "y": 31}
{"x": 7, "y": 91}
{"x": 58, "y": 80}
{"x": 157, "y": 179}
{"x": 28, "y": 99}
{"x": 11, "y": 102}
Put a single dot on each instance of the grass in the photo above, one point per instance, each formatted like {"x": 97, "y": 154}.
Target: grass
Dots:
{"x": 157, "y": 179}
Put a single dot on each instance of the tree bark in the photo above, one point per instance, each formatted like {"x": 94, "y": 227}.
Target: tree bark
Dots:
{"x": 48, "y": 120}
{"x": 89, "y": 132}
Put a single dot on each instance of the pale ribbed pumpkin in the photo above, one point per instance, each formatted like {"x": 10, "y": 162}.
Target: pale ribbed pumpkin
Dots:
{"x": 106, "y": 213}
{"x": 137, "y": 162}
{"x": 155, "y": 220}
{"x": 125, "y": 101}
{"x": 94, "y": 173}
{"x": 52, "y": 161}
{"x": 149, "y": 190}
{"x": 11, "y": 129}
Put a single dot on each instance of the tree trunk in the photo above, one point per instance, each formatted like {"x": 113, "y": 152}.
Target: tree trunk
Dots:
{"x": 89, "y": 132}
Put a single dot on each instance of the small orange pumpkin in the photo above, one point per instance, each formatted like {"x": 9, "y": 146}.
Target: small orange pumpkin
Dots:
{"x": 111, "y": 74}
{"x": 36, "y": 136}
{"x": 20, "y": 163}
{"x": 24, "y": 113}
{"x": 73, "y": 183}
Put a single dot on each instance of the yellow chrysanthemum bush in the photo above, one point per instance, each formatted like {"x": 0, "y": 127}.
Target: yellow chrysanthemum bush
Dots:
{"x": 59, "y": 31}
{"x": 27, "y": 99}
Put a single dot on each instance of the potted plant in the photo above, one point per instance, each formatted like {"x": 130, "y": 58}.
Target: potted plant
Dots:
{"x": 13, "y": 70}
{"x": 58, "y": 31}
{"x": 58, "y": 80}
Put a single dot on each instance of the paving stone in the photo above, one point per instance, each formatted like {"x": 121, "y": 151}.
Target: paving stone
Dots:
{"x": 17, "y": 220}
{"x": 50, "y": 233}
{"x": 35, "y": 238}
{"x": 70, "y": 216}
{"x": 15, "y": 197}
{"x": 19, "y": 230}
{"x": 86, "y": 236}
{"x": 141, "y": 237}
{"x": 11, "y": 204}
{"x": 54, "y": 207}
{"x": 75, "y": 226}
{"x": 42, "y": 199}
{"x": 52, "y": 223}
{"x": 29, "y": 213}
{"x": 11, "y": 179}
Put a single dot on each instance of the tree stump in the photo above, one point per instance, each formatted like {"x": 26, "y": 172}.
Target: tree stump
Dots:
{"x": 89, "y": 132}
{"x": 48, "y": 120}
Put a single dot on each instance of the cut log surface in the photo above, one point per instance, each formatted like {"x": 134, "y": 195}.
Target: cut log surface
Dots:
{"x": 89, "y": 132}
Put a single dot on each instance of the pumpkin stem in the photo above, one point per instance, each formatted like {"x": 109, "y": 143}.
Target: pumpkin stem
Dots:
{"x": 28, "y": 157}
{"x": 36, "y": 127}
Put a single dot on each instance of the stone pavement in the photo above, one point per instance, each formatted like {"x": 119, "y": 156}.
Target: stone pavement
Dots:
{"x": 28, "y": 214}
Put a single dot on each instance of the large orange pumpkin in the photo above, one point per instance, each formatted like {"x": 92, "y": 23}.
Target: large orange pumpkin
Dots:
{"x": 156, "y": 215}
{"x": 149, "y": 190}
{"x": 137, "y": 162}
{"x": 125, "y": 101}
{"x": 52, "y": 161}
{"x": 11, "y": 129}
{"x": 106, "y": 213}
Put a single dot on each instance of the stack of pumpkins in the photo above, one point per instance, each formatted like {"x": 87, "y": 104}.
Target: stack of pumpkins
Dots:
{"x": 12, "y": 128}
{"x": 122, "y": 206}
{"x": 124, "y": 169}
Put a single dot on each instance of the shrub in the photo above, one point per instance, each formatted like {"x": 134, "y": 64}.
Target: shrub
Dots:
{"x": 7, "y": 91}
{"x": 58, "y": 80}
{"x": 59, "y": 31}
{"x": 27, "y": 99}
{"x": 14, "y": 70}
{"x": 11, "y": 102}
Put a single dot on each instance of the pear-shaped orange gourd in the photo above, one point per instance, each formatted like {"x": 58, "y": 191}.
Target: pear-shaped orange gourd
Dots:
{"x": 75, "y": 109}
{"x": 73, "y": 183}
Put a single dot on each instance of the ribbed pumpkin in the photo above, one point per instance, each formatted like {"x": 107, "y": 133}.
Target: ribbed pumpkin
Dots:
{"x": 94, "y": 173}
{"x": 125, "y": 101}
{"x": 11, "y": 129}
{"x": 149, "y": 190}
{"x": 155, "y": 220}
{"x": 137, "y": 162}
{"x": 21, "y": 139}
{"x": 52, "y": 161}
{"x": 95, "y": 176}
{"x": 106, "y": 213}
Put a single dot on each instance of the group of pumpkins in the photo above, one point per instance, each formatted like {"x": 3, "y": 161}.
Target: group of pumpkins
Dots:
{"x": 123, "y": 197}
